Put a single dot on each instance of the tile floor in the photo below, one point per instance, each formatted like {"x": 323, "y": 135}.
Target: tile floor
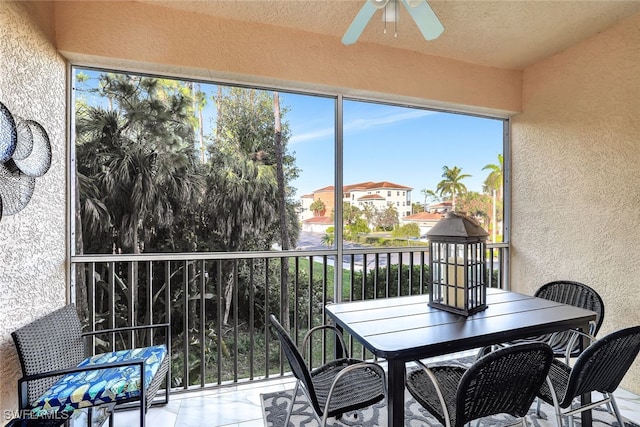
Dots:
{"x": 240, "y": 406}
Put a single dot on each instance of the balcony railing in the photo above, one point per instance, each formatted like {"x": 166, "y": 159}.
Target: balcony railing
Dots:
{"x": 218, "y": 304}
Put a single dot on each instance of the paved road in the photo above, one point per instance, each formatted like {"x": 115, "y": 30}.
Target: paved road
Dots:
{"x": 308, "y": 241}
{"x": 313, "y": 241}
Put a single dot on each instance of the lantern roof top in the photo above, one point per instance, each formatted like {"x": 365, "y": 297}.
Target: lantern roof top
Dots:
{"x": 457, "y": 225}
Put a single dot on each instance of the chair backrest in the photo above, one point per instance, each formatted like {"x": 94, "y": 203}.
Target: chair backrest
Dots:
{"x": 503, "y": 381}
{"x": 49, "y": 343}
{"x": 296, "y": 361}
{"x": 578, "y": 295}
{"x": 603, "y": 364}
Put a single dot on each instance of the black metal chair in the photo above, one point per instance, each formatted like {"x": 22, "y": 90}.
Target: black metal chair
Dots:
{"x": 600, "y": 367}
{"x": 336, "y": 387}
{"x": 504, "y": 381}
{"x": 566, "y": 344}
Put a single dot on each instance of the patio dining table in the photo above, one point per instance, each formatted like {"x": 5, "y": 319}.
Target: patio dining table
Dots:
{"x": 404, "y": 329}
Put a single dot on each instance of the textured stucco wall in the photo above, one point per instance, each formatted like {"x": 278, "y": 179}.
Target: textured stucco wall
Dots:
{"x": 168, "y": 40}
{"x": 576, "y": 174}
{"x": 32, "y": 242}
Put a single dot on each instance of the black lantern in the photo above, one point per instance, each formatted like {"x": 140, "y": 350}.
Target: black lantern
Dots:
{"x": 457, "y": 253}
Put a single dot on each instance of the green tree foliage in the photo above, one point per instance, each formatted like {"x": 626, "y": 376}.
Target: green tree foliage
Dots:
{"x": 416, "y": 208}
{"x": 494, "y": 184}
{"x": 135, "y": 164}
{"x": 406, "y": 231}
{"x": 389, "y": 282}
{"x": 350, "y": 213}
{"x": 494, "y": 180}
{"x": 328, "y": 239}
{"x": 429, "y": 196}
{"x": 352, "y": 230}
{"x": 369, "y": 214}
{"x": 387, "y": 218}
{"x": 452, "y": 184}
{"x": 143, "y": 187}
{"x": 317, "y": 207}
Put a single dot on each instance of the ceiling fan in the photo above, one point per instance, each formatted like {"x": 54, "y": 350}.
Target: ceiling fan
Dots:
{"x": 427, "y": 21}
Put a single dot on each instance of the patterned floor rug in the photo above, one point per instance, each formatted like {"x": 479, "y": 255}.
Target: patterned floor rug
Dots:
{"x": 274, "y": 407}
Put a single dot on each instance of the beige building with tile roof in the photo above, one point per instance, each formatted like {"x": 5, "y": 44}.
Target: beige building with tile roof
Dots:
{"x": 376, "y": 194}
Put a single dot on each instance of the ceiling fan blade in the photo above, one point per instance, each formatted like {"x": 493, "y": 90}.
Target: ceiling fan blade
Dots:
{"x": 359, "y": 22}
{"x": 427, "y": 21}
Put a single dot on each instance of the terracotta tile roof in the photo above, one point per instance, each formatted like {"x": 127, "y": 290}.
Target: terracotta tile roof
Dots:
{"x": 369, "y": 185}
{"x": 320, "y": 190}
{"x": 441, "y": 204}
{"x": 318, "y": 220}
{"x": 371, "y": 197}
{"x": 375, "y": 185}
{"x": 424, "y": 216}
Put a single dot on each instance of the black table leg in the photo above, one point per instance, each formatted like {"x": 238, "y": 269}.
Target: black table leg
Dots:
{"x": 395, "y": 404}
{"x": 585, "y": 416}
{"x": 337, "y": 350}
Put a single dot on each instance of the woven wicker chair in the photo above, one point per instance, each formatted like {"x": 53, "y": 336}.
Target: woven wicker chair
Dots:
{"x": 51, "y": 351}
{"x": 504, "y": 381}
{"x": 566, "y": 344}
{"x": 336, "y": 387}
{"x": 577, "y": 294}
{"x": 600, "y": 367}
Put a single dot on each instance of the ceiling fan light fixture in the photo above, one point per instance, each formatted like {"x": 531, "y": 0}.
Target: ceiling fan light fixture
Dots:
{"x": 391, "y": 12}
{"x": 379, "y": 4}
{"x": 419, "y": 10}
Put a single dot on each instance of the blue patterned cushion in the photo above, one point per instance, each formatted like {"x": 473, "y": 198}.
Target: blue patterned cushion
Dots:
{"x": 90, "y": 388}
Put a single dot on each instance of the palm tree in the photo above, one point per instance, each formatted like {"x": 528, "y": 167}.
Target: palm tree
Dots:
{"x": 135, "y": 166}
{"x": 282, "y": 210}
{"x": 140, "y": 155}
{"x": 495, "y": 183}
{"x": 317, "y": 207}
{"x": 428, "y": 194}
{"x": 328, "y": 239}
{"x": 451, "y": 184}
{"x": 369, "y": 212}
{"x": 494, "y": 180}
{"x": 248, "y": 195}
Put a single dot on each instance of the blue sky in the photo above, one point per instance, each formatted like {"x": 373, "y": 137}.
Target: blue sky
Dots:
{"x": 406, "y": 146}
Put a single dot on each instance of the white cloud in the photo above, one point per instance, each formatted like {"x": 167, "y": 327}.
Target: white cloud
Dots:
{"x": 311, "y": 135}
{"x": 360, "y": 124}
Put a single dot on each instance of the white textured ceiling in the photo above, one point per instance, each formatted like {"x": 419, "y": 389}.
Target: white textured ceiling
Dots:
{"x": 508, "y": 34}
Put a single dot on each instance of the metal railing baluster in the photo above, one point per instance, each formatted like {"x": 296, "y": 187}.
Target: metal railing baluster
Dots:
{"x": 202, "y": 324}
{"x": 185, "y": 325}
{"x": 240, "y": 346}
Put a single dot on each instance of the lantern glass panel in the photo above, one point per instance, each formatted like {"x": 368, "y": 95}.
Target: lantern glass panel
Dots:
{"x": 457, "y": 271}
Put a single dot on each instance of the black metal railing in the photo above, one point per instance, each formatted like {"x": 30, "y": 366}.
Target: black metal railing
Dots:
{"x": 218, "y": 303}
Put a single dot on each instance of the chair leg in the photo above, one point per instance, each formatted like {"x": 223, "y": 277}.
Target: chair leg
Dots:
{"x": 616, "y": 411}
{"x": 558, "y": 417}
{"x": 293, "y": 401}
